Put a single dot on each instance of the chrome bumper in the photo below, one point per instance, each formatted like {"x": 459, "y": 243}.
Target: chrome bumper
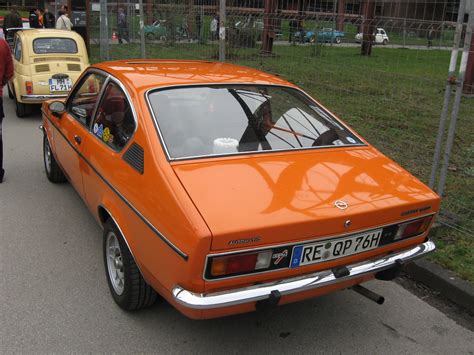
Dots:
{"x": 42, "y": 97}
{"x": 297, "y": 284}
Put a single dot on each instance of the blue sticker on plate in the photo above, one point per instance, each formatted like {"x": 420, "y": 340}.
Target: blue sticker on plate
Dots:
{"x": 296, "y": 257}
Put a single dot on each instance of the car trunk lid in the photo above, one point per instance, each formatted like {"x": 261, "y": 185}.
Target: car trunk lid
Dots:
{"x": 278, "y": 198}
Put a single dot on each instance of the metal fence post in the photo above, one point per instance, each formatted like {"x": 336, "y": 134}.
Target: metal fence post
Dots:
{"x": 456, "y": 104}
{"x": 104, "y": 33}
{"x": 447, "y": 93}
{"x": 142, "y": 31}
{"x": 222, "y": 33}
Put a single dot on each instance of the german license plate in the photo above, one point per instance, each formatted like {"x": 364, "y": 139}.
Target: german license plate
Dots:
{"x": 60, "y": 84}
{"x": 318, "y": 252}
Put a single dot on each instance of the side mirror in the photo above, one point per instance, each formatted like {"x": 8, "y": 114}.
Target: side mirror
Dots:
{"x": 57, "y": 108}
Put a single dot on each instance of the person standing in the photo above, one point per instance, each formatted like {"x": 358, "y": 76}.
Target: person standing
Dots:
{"x": 122, "y": 26}
{"x": 49, "y": 20}
{"x": 34, "y": 18}
{"x": 6, "y": 72}
{"x": 63, "y": 22}
{"x": 293, "y": 29}
{"x": 214, "y": 27}
{"x": 12, "y": 20}
{"x": 430, "y": 37}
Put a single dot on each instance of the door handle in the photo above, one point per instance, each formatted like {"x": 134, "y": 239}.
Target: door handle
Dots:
{"x": 77, "y": 139}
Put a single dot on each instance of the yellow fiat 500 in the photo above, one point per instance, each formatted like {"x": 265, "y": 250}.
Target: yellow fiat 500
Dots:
{"x": 47, "y": 63}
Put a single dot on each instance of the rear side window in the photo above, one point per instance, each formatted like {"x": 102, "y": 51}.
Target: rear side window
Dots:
{"x": 17, "y": 50}
{"x": 54, "y": 45}
{"x": 114, "y": 123}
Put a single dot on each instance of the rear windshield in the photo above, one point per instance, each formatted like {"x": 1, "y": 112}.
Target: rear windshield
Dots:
{"x": 54, "y": 45}
{"x": 220, "y": 120}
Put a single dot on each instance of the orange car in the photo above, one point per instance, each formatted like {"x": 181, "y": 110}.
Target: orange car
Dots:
{"x": 225, "y": 189}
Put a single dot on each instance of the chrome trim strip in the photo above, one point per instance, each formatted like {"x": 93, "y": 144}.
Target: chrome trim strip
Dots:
{"x": 294, "y": 285}
{"x": 42, "y": 97}
{"x": 315, "y": 240}
{"x": 148, "y": 223}
{"x": 163, "y": 143}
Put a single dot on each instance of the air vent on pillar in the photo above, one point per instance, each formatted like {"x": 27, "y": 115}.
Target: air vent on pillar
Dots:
{"x": 135, "y": 157}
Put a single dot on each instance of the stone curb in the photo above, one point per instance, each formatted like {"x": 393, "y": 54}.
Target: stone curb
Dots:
{"x": 443, "y": 281}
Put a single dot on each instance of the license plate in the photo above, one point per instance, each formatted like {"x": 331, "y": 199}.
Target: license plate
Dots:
{"x": 318, "y": 252}
{"x": 60, "y": 84}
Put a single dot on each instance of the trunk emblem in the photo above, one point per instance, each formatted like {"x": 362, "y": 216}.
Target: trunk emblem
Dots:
{"x": 342, "y": 205}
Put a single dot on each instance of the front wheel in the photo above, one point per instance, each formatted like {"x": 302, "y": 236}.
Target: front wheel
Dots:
{"x": 338, "y": 40}
{"x": 384, "y": 42}
{"x": 53, "y": 171}
{"x": 127, "y": 286}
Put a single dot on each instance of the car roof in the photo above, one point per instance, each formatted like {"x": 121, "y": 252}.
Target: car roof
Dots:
{"x": 146, "y": 74}
{"x": 47, "y": 32}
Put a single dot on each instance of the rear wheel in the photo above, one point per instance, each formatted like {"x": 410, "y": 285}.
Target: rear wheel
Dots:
{"x": 53, "y": 171}
{"x": 10, "y": 93}
{"x": 127, "y": 286}
{"x": 21, "y": 109}
{"x": 384, "y": 42}
{"x": 338, "y": 40}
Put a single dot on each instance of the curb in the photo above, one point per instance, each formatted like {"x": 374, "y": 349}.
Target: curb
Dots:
{"x": 443, "y": 281}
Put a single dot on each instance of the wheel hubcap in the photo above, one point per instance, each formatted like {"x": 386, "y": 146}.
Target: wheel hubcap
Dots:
{"x": 47, "y": 157}
{"x": 115, "y": 263}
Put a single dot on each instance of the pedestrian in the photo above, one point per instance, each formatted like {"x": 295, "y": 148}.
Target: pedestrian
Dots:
{"x": 6, "y": 72}
{"x": 214, "y": 27}
{"x": 34, "y": 18}
{"x": 293, "y": 27}
{"x": 430, "y": 37}
{"x": 122, "y": 26}
{"x": 301, "y": 31}
{"x": 49, "y": 20}
{"x": 198, "y": 20}
{"x": 40, "y": 18}
{"x": 63, "y": 22}
{"x": 12, "y": 20}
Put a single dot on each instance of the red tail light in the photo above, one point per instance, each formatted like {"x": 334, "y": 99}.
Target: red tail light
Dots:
{"x": 29, "y": 87}
{"x": 240, "y": 263}
{"x": 410, "y": 229}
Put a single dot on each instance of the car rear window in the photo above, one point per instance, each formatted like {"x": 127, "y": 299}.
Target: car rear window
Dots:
{"x": 220, "y": 120}
{"x": 54, "y": 45}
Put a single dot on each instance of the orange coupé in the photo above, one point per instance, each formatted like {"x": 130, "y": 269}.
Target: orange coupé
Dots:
{"x": 225, "y": 189}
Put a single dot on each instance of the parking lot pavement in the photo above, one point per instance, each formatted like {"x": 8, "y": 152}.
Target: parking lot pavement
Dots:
{"x": 54, "y": 296}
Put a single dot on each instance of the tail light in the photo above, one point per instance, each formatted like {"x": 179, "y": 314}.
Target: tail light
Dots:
{"x": 236, "y": 264}
{"x": 412, "y": 228}
{"x": 29, "y": 87}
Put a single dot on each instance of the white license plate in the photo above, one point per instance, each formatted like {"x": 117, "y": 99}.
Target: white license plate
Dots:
{"x": 60, "y": 84}
{"x": 318, "y": 252}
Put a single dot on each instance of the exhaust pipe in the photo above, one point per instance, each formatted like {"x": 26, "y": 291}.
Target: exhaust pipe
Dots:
{"x": 371, "y": 295}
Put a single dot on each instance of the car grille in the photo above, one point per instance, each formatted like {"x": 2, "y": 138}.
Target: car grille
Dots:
{"x": 55, "y": 59}
{"x": 74, "y": 67}
{"x": 42, "y": 68}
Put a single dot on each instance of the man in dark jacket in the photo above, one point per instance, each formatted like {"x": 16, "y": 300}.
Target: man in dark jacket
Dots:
{"x": 34, "y": 18}
{"x": 12, "y": 20}
{"x": 6, "y": 72}
{"x": 49, "y": 20}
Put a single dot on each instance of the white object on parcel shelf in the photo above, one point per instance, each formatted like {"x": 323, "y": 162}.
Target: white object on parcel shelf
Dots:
{"x": 225, "y": 145}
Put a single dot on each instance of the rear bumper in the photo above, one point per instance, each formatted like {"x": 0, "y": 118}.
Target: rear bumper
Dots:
{"x": 40, "y": 98}
{"x": 316, "y": 280}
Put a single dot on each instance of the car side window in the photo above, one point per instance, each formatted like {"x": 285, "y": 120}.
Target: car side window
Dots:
{"x": 114, "y": 123}
{"x": 84, "y": 98}
{"x": 17, "y": 51}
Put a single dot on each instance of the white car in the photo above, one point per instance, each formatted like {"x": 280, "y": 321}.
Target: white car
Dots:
{"x": 380, "y": 37}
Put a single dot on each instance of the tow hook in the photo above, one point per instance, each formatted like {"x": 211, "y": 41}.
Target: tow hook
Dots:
{"x": 371, "y": 295}
{"x": 270, "y": 303}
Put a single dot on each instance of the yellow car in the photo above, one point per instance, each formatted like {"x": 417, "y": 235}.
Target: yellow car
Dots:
{"x": 47, "y": 63}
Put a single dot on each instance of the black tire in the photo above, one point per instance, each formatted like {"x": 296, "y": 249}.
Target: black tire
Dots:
{"x": 136, "y": 293}
{"x": 51, "y": 167}
{"x": 338, "y": 40}
{"x": 384, "y": 42}
{"x": 150, "y": 36}
{"x": 10, "y": 93}
{"x": 21, "y": 109}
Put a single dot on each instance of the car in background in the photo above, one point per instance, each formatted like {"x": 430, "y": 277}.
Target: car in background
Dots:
{"x": 225, "y": 189}
{"x": 47, "y": 62}
{"x": 380, "y": 37}
{"x": 325, "y": 35}
{"x": 157, "y": 30}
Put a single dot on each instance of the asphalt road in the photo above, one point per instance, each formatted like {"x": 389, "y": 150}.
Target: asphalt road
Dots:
{"x": 54, "y": 296}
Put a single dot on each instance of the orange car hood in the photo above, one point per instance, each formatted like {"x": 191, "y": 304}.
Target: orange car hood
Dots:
{"x": 278, "y": 198}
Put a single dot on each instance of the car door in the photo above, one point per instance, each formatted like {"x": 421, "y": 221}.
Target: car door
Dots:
{"x": 379, "y": 37}
{"x": 73, "y": 127}
{"x": 113, "y": 126}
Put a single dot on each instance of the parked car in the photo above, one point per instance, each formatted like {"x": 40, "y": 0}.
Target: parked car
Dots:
{"x": 257, "y": 25}
{"x": 157, "y": 30}
{"x": 225, "y": 189}
{"x": 380, "y": 37}
{"x": 321, "y": 36}
{"x": 46, "y": 63}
